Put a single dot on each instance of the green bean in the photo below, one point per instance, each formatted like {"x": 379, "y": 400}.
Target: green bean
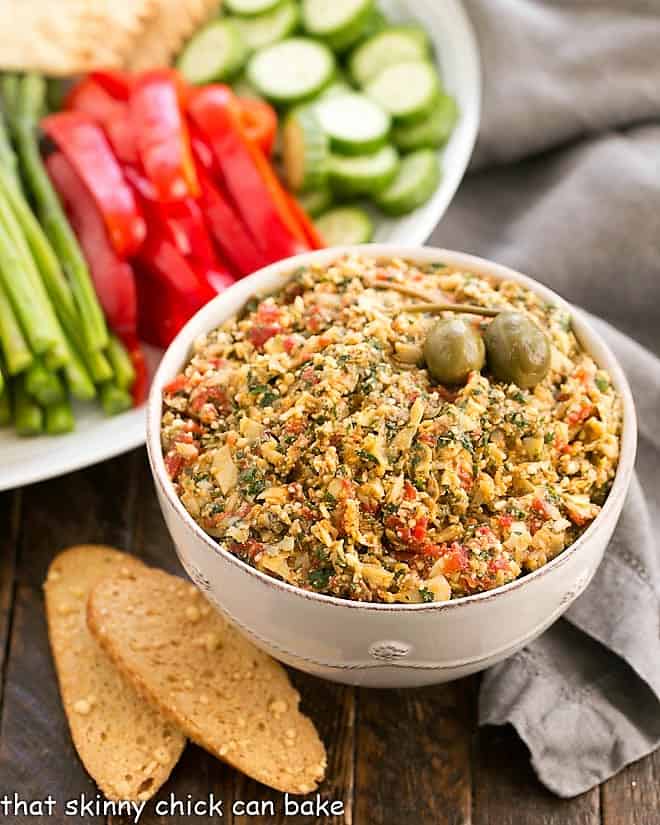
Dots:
{"x": 28, "y": 415}
{"x": 114, "y": 400}
{"x": 8, "y": 159}
{"x": 77, "y": 378}
{"x": 59, "y": 418}
{"x": 121, "y": 364}
{"x": 25, "y": 116}
{"x": 12, "y": 341}
{"x": 43, "y": 385}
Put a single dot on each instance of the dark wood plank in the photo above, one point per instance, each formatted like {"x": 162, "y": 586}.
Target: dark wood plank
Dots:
{"x": 507, "y": 792}
{"x": 37, "y": 757}
{"x": 10, "y": 507}
{"x": 413, "y": 756}
{"x": 633, "y": 796}
{"x": 332, "y": 707}
{"x": 198, "y": 775}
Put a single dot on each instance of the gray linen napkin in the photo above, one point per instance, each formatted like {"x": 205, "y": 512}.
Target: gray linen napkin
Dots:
{"x": 567, "y": 189}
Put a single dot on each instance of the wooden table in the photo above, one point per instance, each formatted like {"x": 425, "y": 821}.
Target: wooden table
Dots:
{"x": 395, "y": 757}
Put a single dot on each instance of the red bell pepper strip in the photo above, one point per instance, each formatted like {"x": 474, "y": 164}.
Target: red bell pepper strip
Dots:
{"x": 229, "y": 232}
{"x": 160, "y": 316}
{"x": 184, "y": 225}
{"x": 86, "y": 148}
{"x": 112, "y": 115}
{"x": 113, "y": 277}
{"x": 311, "y": 232}
{"x": 116, "y": 83}
{"x": 259, "y": 122}
{"x": 215, "y": 111}
{"x": 278, "y": 193}
{"x": 162, "y": 135}
{"x": 139, "y": 362}
{"x": 160, "y": 256}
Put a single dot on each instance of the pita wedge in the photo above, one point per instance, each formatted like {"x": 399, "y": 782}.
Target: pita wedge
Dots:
{"x": 175, "y": 21}
{"x": 126, "y": 746}
{"x": 223, "y": 692}
{"x": 66, "y": 37}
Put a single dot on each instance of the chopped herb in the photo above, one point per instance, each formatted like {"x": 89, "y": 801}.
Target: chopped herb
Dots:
{"x": 252, "y": 481}
{"x": 367, "y": 456}
{"x": 426, "y": 594}
{"x": 319, "y": 579}
{"x": 548, "y": 438}
{"x": 602, "y": 384}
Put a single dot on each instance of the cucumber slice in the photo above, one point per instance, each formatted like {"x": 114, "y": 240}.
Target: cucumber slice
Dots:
{"x": 335, "y": 89}
{"x": 305, "y": 150}
{"x": 345, "y": 226}
{"x": 376, "y": 22}
{"x": 251, "y": 7}
{"x": 354, "y": 123}
{"x": 408, "y": 91}
{"x": 363, "y": 174}
{"x": 292, "y": 70}
{"x": 340, "y": 23}
{"x": 271, "y": 27}
{"x": 430, "y": 133}
{"x": 216, "y": 52}
{"x": 316, "y": 202}
{"x": 397, "y": 44}
{"x": 415, "y": 183}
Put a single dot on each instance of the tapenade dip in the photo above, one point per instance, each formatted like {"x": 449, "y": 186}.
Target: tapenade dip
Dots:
{"x": 308, "y": 438}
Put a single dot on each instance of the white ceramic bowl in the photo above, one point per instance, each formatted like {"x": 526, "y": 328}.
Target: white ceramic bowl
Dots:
{"x": 376, "y": 644}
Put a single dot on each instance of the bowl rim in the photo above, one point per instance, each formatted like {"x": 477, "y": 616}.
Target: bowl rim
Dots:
{"x": 275, "y": 274}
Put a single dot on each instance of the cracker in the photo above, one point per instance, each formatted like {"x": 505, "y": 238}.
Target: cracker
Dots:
{"x": 224, "y": 693}
{"x": 126, "y": 746}
{"x": 175, "y": 21}
{"x": 65, "y": 37}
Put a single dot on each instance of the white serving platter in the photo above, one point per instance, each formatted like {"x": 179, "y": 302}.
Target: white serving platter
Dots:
{"x": 96, "y": 438}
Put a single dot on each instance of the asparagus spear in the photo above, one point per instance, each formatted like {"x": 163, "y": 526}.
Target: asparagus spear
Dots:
{"x": 44, "y": 257}
{"x": 121, "y": 364}
{"x": 5, "y": 400}
{"x": 5, "y": 407}
{"x": 43, "y": 385}
{"x": 114, "y": 400}
{"x": 8, "y": 159}
{"x": 38, "y": 323}
{"x": 12, "y": 341}
{"x": 28, "y": 415}
{"x": 59, "y": 418}
{"x": 24, "y": 116}
{"x": 77, "y": 378}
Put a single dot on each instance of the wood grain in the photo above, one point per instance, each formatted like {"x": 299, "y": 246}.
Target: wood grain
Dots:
{"x": 633, "y": 796}
{"x": 198, "y": 775}
{"x": 507, "y": 792}
{"x": 395, "y": 757}
{"x": 10, "y": 514}
{"x": 413, "y": 756}
{"x": 36, "y": 753}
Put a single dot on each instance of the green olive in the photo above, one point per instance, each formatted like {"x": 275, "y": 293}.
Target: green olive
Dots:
{"x": 518, "y": 351}
{"x": 452, "y": 350}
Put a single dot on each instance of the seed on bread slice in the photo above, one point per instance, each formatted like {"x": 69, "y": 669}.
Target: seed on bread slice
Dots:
{"x": 127, "y": 747}
{"x": 219, "y": 689}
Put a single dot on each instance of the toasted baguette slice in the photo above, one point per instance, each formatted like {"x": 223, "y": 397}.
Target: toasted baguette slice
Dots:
{"x": 126, "y": 746}
{"x": 218, "y": 688}
{"x": 65, "y": 37}
{"x": 175, "y": 21}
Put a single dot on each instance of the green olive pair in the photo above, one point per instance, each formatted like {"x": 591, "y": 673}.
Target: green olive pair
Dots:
{"x": 517, "y": 351}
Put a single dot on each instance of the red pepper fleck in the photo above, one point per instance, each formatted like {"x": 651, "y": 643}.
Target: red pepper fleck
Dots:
{"x": 261, "y": 333}
{"x": 268, "y": 313}
{"x": 505, "y": 521}
{"x": 178, "y": 384}
{"x": 173, "y": 464}
{"x": 409, "y": 492}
